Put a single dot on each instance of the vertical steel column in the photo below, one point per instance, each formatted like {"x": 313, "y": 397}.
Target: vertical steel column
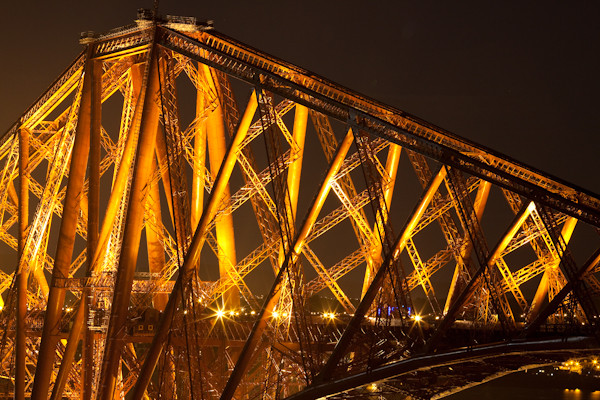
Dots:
{"x": 293, "y": 186}
{"x": 132, "y": 232}
{"x": 22, "y": 274}
{"x": 119, "y": 185}
{"x": 66, "y": 242}
{"x": 295, "y": 168}
{"x": 93, "y": 223}
{"x": 23, "y": 203}
{"x": 225, "y": 235}
{"x": 193, "y": 254}
{"x": 271, "y": 300}
{"x": 199, "y": 158}
{"x": 122, "y": 174}
{"x": 156, "y": 249}
{"x": 82, "y": 313}
{"x": 163, "y": 159}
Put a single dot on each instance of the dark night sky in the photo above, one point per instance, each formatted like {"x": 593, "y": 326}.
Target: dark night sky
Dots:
{"x": 520, "y": 79}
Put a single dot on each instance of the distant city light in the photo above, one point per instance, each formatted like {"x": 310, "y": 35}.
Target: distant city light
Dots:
{"x": 329, "y": 315}
{"x": 418, "y": 318}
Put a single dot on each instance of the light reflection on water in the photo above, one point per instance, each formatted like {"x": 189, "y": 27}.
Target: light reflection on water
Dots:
{"x": 524, "y": 387}
{"x": 533, "y": 393}
{"x": 577, "y": 394}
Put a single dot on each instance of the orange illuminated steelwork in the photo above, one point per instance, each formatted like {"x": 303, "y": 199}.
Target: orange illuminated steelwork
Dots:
{"x": 171, "y": 229}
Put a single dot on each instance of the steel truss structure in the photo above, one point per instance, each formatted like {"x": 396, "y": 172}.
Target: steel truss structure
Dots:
{"x": 174, "y": 205}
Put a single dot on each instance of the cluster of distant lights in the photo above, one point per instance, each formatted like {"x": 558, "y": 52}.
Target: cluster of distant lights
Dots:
{"x": 220, "y": 314}
{"x": 330, "y": 316}
{"x": 275, "y": 314}
{"x": 576, "y": 366}
{"x": 232, "y": 313}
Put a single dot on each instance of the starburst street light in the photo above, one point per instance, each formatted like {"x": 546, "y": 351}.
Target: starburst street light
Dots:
{"x": 329, "y": 315}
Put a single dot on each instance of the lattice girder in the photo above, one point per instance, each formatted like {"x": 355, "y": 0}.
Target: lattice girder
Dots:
{"x": 200, "y": 235}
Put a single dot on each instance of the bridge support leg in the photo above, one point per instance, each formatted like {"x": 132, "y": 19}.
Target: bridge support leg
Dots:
{"x": 93, "y": 224}
{"x": 193, "y": 254}
{"x": 215, "y": 127}
{"x": 295, "y": 168}
{"x": 93, "y": 221}
{"x": 64, "y": 252}
{"x": 199, "y": 158}
{"x": 118, "y": 189}
{"x": 132, "y": 231}
{"x": 156, "y": 250}
{"x": 22, "y": 274}
{"x": 121, "y": 178}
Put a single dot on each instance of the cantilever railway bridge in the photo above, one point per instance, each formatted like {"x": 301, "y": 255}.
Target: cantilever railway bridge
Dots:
{"x": 172, "y": 207}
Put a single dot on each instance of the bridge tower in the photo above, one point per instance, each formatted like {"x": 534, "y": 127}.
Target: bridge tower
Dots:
{"x": 184, "y": 216}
